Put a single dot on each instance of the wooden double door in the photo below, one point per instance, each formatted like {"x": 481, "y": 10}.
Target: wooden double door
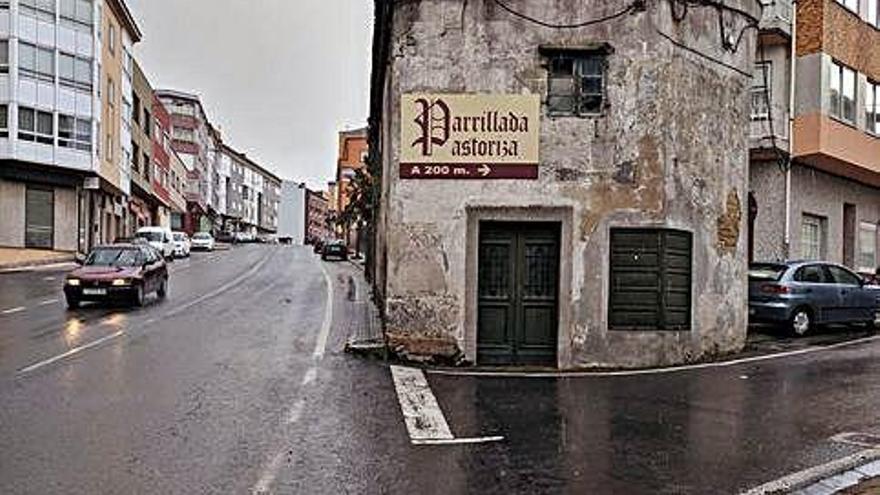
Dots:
{"x": 518, "y": 293}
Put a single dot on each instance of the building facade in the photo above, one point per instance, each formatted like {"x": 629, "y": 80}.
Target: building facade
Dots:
{"x": 58, "y": 189}
{"x": 145, "y": 201}
{"x": 292, "y": 213}
{"x": 316, "y": 211}
{"x": 817, "y": 197}
{"x": 353, "y": 151}
{"x": 169, "y": 173}
{"x": 548, "y": 196}
{"x": 191, "y": 139}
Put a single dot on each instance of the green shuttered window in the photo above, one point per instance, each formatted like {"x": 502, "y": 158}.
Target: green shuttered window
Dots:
{"x": 650, "y": 280}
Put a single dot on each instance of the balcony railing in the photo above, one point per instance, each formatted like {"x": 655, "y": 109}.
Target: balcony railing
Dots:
{"x": 764, "y": 135}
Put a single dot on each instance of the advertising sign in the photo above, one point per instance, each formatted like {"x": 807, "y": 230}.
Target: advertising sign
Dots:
{"x": 445, "y": 136}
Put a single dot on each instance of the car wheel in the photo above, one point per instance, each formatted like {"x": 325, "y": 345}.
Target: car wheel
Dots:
{"x": 801, "y": 322}
{"x": 162, "y": 291}
{"x": 72, "y": 303}
{"x": 139, "y": 296}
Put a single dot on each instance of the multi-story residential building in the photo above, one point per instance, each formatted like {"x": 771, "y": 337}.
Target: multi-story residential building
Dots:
{"x": 118, "y": 34}
{"x": 191, "y": 139}
{"x": 292, "y": 213}
{"x": 169, "y": 173}
{"x": 353, "y": 151}
{"x": 317, "y": 207}
{"x": 58, "y": 188}
{"x": 819, "y": 196}
{"x": 566, "y": 197}
{"x": 252, "y": 194}
{"x": 144, "y": 202}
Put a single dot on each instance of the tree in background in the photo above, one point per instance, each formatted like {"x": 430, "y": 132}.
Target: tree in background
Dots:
{"x": 359, "y": 210}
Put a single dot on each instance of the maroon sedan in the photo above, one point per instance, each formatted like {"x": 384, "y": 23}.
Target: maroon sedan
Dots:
{"x": 120, "y": 272}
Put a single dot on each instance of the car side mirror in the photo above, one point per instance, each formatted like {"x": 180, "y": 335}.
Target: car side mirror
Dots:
{"x": 79, "y": 259}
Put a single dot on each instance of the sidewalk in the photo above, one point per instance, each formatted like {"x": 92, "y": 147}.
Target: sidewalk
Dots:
{"x": 11, "y": 258}
{"x": 364, "y": 324}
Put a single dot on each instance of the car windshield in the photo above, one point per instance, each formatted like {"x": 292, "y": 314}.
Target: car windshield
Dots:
{"x": 113, "y": 257}
{"x": 766, "y": 271}
{"x": 201, "y": 236}
{"x": 150, "y": 236}
{"x": 179, "y": 237}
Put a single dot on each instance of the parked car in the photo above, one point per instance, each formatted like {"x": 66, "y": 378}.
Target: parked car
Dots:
{"x": 318, "y": 245}
{"x": 119, "y": 272}
{"x": 182, "y": 244}
{"x": 202, "y": 241}
{"x": 160, "y": 238}
{"x": 336, "y": 250}
{"x": 227, "y": 237}
{"x": 803, "y": 294}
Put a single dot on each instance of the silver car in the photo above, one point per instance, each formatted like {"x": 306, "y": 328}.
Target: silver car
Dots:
{"x": 803, "y": 294}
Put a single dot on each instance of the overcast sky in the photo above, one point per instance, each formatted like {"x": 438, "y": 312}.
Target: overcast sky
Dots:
{"x": 279, "y": 77}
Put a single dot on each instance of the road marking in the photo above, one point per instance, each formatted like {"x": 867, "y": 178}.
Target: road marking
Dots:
{"x": 269, "y": 473}
{"x": 458, "y": 441}
{"x": 48, "y": 302}
{"x": 321, "y": 345}
{"x": 422, "y": 414}
{"x": 802, "y": 479}
{"x": 654, "y": 371}
{"x": 310, "y": 376}
{"x": 13, "y": 310}
{"x": 48, "y": 279}
{"x": 70, "y": 353}
{"x": 295, "y": 412}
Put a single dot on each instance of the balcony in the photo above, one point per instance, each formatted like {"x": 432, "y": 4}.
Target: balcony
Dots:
{"x": 767, "y": 138}
{"x": 838, "y": 148}
{"x": 776, "y": 21}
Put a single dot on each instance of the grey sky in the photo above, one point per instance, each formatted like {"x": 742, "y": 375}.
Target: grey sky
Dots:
{"x": 279, "y": 77}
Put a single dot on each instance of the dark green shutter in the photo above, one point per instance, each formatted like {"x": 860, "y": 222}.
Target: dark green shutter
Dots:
{"x": 650, "y": 286}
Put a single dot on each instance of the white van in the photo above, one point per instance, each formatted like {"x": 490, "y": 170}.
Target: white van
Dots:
{"x": 160, "y": 238}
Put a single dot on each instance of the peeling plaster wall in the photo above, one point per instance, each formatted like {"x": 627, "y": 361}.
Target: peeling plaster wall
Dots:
{"x": 671, "y": 151}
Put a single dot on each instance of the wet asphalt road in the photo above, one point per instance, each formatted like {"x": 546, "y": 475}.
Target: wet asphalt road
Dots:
{"x": 221, "y": 389}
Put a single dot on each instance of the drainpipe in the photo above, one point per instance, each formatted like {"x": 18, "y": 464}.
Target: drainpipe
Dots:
{"x": 791, "y": 110}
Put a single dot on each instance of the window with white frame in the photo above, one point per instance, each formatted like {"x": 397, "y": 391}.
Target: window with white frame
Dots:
{"x": 872, "y": 107}
{"x": 867, "y": 247}
{"x": 41, "y": 9}
{"x": 36, "y": 62}
{"x": 36, "y": 126}
{"x": 874, "y": 12}
{"x": 761, "y": 84}
{"x": 4, "y": 56}
{"x": 852, "y": 5}
{"x": 843, "y": 92}
{"x": 75, "y": 72}
{"x": 812, "y": 237}
{"x": 111, "y": 38}
{"x": 79, "y": 14}
{"x": 74, "y": 132}
{"x": 4, "y": 121}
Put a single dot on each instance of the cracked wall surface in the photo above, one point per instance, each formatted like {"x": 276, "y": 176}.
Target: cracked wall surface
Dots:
{"x": 670, "y": 151}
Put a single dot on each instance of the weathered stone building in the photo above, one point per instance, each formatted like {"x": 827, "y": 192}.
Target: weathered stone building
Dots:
{"x": 619, "y": 240}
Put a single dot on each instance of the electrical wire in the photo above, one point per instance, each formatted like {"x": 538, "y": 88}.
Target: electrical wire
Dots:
{"x": 634, "y": 6}
{"x": 703, "y": 55}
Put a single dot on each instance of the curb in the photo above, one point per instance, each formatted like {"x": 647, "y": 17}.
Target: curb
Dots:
{"x": 816, "y": 475}
{"x": 28, "y": 265}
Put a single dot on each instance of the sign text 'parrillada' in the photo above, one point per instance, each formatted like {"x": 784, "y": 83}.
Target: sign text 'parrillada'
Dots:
{"x": 446, "y": 136}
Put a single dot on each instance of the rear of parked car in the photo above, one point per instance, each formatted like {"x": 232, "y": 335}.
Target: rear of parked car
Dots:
{"x": 334, "y": 250}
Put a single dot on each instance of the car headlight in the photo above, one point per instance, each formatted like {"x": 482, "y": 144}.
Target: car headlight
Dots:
{"x": 121, "y": 282}
{"x": 73, "y": 281}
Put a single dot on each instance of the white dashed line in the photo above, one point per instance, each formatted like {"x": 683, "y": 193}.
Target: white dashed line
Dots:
{"x": 48, "y": 302}
{"x": 310, "y": 376}
{"x": 295, "y": 412}
{"x": 12, "y": 310}
{"x": 269, "y": 473}
{"x": 70, "y": 353}
{"x": 321, "y": 345}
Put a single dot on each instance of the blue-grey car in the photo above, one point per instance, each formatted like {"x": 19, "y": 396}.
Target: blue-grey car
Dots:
{"x": 803, "y": 294}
